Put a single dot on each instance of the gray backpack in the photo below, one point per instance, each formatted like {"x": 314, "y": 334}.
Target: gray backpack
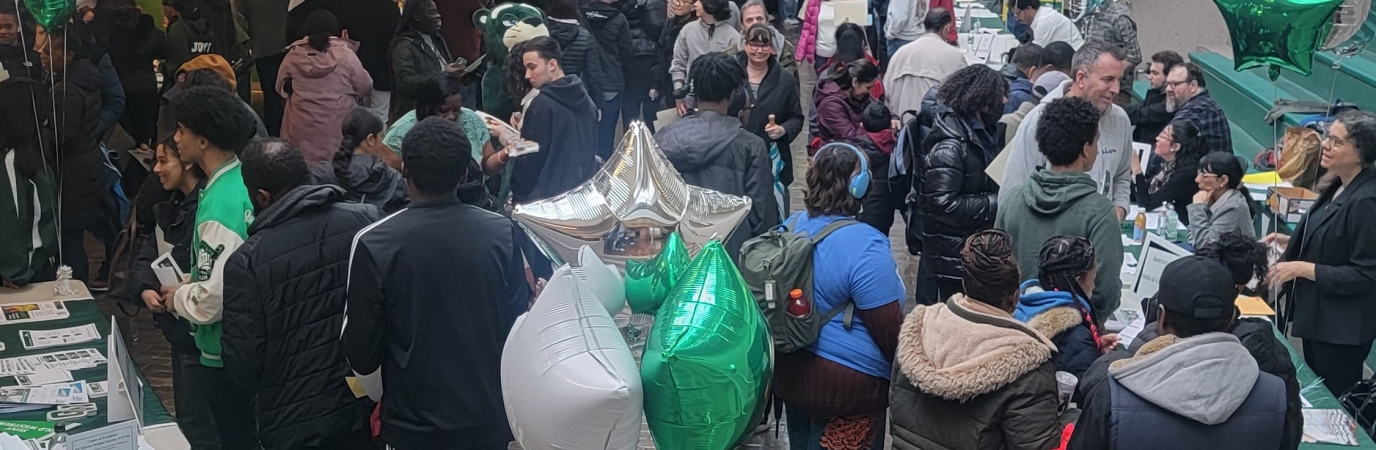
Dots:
{"x": 776, "y": 263}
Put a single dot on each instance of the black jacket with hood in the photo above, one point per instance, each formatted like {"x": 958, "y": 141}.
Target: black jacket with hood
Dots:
{"x": 777, "y": 96}
{"x": 175, "y": 219}
{"x": 1199, "y": 392}
{"x": 82, "y": 172}
{"x": 563, "y": 120}
{"x": 365, "y": 179}
{"x": 955, "y": 197}
{"x": 284, "y": 311}
{"x": 970, "y": 376}
{"x": 712, "y": 151}
{"x": 612, "y": 32}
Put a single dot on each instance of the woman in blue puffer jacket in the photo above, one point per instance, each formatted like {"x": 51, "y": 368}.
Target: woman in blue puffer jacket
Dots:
{"x": 1055, "y": 304}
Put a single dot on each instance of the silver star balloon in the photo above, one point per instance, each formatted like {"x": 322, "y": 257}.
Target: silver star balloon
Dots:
{"x": 629, "y": 208}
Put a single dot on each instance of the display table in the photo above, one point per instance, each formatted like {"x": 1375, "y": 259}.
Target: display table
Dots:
{"x": 159, "y": 428}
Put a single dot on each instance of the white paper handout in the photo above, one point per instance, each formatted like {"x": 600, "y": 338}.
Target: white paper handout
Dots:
{"x": 118, "y": 436}
{"x": 33, "y": 312}
{"x": 50, "y": 394}
{"x": 1329, "y": 426}
{"x": 64, "y": 336}
{"x": 167, "y": 270}
{"x": 44, "y": 377}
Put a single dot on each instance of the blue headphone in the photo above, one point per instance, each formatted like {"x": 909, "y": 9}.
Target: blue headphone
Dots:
{"x": 860, "y": 182}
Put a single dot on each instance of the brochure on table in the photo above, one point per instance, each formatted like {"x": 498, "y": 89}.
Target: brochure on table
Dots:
{"x": 1157, "y": 252}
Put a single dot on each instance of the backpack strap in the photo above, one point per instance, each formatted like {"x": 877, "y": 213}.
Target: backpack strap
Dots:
{"x": 849, "y": 306}
{"x": 831, "y": 227}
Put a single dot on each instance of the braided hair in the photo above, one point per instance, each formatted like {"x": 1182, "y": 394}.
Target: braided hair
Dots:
{"x": 988, "y": 260}
{"x": 1060, "y": 264}
{"x": 358, "y": 125}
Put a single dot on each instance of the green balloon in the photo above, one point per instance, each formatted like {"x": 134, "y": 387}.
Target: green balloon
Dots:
{"x": 50, "y": 12}
{"x": 708, "y": 361}
{"x": 648, "y": 282}
{"x": 1277, "y": 33}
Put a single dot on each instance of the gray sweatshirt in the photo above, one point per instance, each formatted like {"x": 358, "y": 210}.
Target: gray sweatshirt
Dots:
{"x": 1112, "y": 170}
{"x": 693, "y": 41}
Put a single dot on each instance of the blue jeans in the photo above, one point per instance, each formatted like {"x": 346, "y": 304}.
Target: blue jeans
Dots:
{"x": 894, "y": 45}
{"x": 788, "y": 9}
{"x": 805, "y": 431}
{"x": 606, "y": 126}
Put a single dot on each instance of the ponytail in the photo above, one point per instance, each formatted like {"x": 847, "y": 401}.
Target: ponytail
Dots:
{"x": 319, "y": 27}
{"x": 358, "y": 125}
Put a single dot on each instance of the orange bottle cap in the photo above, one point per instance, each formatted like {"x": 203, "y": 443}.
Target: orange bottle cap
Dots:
{"x": 796, "y": 293}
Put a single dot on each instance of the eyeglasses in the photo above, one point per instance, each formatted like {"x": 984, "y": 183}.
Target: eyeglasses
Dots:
{"x": 1207, "y": 174}
{"x": 1177, "y": 84}
{"x": 753, "y": 45}
{"x": 1337, "y": 141}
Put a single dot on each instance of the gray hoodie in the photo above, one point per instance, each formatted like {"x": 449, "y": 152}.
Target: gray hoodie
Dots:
{"x": 697, "y": 39}
{"x": 1112, "y": 171}
{"x": 1204, "y": 378}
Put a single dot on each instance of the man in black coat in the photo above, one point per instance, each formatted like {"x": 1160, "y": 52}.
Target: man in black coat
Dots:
{"x": 284, "y": 305}
{"x": 432, "y": 293}
{"x": 1150, "y": 116}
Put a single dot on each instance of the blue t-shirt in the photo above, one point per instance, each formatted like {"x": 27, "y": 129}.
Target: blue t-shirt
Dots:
{"x": 855, "y": 262}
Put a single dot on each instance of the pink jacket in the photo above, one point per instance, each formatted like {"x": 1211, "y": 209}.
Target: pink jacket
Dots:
{"x": 325, "y": 87}
{"x": 807, "y": 38}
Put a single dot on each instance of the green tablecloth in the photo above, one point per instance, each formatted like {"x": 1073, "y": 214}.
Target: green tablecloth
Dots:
{"x": 81, "y": 312}
{"x": 1320, "y": 397}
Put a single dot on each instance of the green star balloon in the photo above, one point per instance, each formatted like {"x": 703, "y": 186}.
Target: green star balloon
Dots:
{"x": 1277, "y": 33}
{"x": 708, "y": 361}
{"x": 648, "y": 282}
{"x": 50, "y": 12}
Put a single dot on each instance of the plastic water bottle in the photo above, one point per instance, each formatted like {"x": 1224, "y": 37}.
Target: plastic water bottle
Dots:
{"x": 1139, "y": 227}
{"x": 1171, "y": 226}
{"x": 59, "y": 441}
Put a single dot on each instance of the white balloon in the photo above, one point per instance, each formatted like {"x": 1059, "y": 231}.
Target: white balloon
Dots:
{"x": 602, "y": 279}
{"x": 569, "y": 381}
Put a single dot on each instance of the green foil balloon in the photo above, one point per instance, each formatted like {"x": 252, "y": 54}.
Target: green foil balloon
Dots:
{"x": 50, "y": 12}
{"x": 1277, "y": 33}
{"x": 648, "y": 282}
{"x": 708, "y": 361}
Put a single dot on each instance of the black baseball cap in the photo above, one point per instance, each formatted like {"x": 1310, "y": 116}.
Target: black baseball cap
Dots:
{"x": 1197, "y": 287}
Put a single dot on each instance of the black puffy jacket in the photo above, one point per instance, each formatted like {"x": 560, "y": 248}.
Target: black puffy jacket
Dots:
{"x": 955, "y": 197}
{"x": 580, "y": 54}
{"x": 176, "y": 222}
{"x": 82, "y": 171}
{"x": 284, "y": 312}
{"x": 646, "y": 18}
{"x": 668, "y": 36}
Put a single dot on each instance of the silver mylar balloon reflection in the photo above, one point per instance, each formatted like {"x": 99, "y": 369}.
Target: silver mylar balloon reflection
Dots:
{"x": 629, "y": 207}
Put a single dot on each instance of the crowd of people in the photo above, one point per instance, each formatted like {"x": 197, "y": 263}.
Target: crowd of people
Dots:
{"x": 354, "y": 225}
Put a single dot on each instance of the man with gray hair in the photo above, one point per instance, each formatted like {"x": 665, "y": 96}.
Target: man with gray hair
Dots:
{"x": 1097, "y": 69}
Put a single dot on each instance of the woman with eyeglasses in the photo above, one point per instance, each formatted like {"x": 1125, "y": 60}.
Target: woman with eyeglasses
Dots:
{"x": 774, "y": 110}
{"x": 1328, "y": 270}
{"x": 1221, "y": 205}
{"x": 1180, "y": 145}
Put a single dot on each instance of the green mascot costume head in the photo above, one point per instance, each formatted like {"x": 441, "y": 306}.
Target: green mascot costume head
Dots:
{"x": 504, "y": 26}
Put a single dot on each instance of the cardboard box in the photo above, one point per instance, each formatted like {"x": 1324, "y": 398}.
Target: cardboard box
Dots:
{"x": 1290, "y": 203}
